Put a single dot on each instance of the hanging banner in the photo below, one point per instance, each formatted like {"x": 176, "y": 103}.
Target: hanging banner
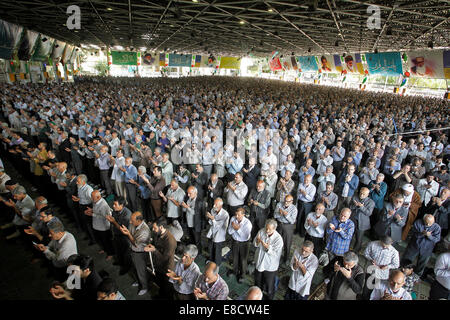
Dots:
{"x": 179, "y": 60}
{"x": 43, "y": 48}
{"x": 308, "y": 63}
{"x": 351, "y": 63}
{"x": 162, "y": 59}
{"x": 326, "y": 64}
{"x": 209, "y": 61}
{"x": 198, "y": 61}
{"x": 446, "y": 57}
{"x": 275, "y": 64}
{"x": 10, "y": 35}
{"x": 338, "y": 63}
{"x": 58, "y": 50}
{"x": 385, "y": 64}
{"x": 230, "y": 63}
{"x": 426, "y": 64}
{"x": 27, "y": 46}
{"x": 124, "y": 58}
{"x": 68, "y": 50}
{"x": 150, "y": 59}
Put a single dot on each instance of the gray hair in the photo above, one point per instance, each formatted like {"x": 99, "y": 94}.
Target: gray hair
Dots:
{"x": 191, "y": 250}
{"x": 142, "y": 169}
{"x": 215, "y": 271}
{"x": 308, "y": 244}
{"x": 272, "y": 222}
{"x": 83, "y": 177}
{"x": 56, "y": 227}
{"x": 19, "y": 190}
{"x": 257, "y": 289}
{"x": 350, "y": 256}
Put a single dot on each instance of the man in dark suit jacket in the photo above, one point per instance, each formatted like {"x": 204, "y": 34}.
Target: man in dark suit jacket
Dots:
{"x": 200, "y": 180}
{"x": 259, "y": 203}
{"x": 72, "y": 190}
{"x": 163, "y": 253}
{"x": 63, "y": 146}
{"x": 215, "y": 189}
{"x": 194, "y": 206}
{"x": 251, "y": 174}
{"x": 425, "y": 234}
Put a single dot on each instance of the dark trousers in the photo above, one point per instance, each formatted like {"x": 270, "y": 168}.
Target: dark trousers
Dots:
{"x": 140, "y": 260}
{"x": 73, "y": 208}
{"x": 258, "y": 222}
{"x": 131, "y": 196}
{"x": 105, "y": 181}
{"x": 240, "y": 255}
{"x": 318, "y": 244}
{"x": 183, "y": 297}
{"x": 303, "y": 209}
{"x": 292, "y": 295}
{"x": 410, "y": 256}
{"x": 104, "y": 239}
{"x": 146, "y": 210}
{"x": 157, "y": 207}
{"x": 86, "y": 222}
{"x": 121, "y": 247}
{"x": 232, "y": 210}
{"x": 196, "y": 239}
{"x": 359, "y": 234}
{"x": 438, "y": 291}
{"x": 165, "y": 287}
{"x": 215, "y": 251}
{"x": 266, "y": 279}
{"x": 286, "y": 230}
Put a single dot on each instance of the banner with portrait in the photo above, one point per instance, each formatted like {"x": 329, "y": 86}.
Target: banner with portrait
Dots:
{"x": 43, "y": 48}
{"x": 10, "y": 36}
{"x": 426, "y": 64}
{"x": 150, "y": 59}
{"x": 351, "y": 63}
{"x": 384, "y": 64}
{"x": 27, "y": 45}
{"x": 307, "y": 63}
{"x": 275, "y": 64}
{"x": 326, "y": 63}
{"x": 210, "y": 61}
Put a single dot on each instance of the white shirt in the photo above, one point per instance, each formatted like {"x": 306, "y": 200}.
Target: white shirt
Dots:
{"x": 427, "y": 194}
{"x": 236, "y": 197}
{"x": 319, "y": 231}
{"x": 299, "y": 282}
{"x": 219, "y": 224}
{"x": 100, "y": 210}
{"x": 377, "y": 294}
{"x": 442, "y": 269}
{"x": 268, "y": 259}
{"x": 244, "y": 231}
{"x": 117, "y": 174}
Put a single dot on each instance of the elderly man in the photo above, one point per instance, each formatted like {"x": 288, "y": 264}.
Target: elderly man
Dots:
{"x": 269, "y": 246}
{"x": 240, "y": 229}
{"x": 392, "y": 289}
{"x": 251, "y": 173}
{"x": 362, "y": 208}
{"x": 348, "y": 184}
{"x": 166, "y": 169}
{"x": 185, "y": 274}
{"x": 440, "y": 288}
{"x": 303, "y": 266}
{"x": 412, "y": 202}
{"x": 138, "y": 234}
{"x": 347, "y": 280}
{"x": 392, "y": 218}
{"x": 329, "y": 199}
{"x": 194, "y": 208}
{"x": 100, "y": 224}
{"x": 236, "y": 192}
{"x": 285, "y": 186}
{"x": 259, "y": 202}
{"x": 339, "y": 233}
{"x": 382, "y": 257}
{"x": 60, "y": 248}
{"x": 121, "y": 215}
{"x": 131, "y": 174}
{"x": 305, "y": 195}
{"x": 378, "y": 189}
{"x": 103, "y": 161}
{"x": 286, "y": 213}
{"x": 23, "y": 208}
{"x": 210, "y": 285}
{"x": 83, "y": 197}
{"x": 174, "y": 197}
{"x": 426, "y": 233}
{"x": 253, "y": 293}
{"x": 218, "y": 220}
{"x": 215, "y": 189}
{"x": 163, "y": 252}
{"x": 315, "y": 225}
{"x": 156, "y": 184}
{"x": 427, "y": 188}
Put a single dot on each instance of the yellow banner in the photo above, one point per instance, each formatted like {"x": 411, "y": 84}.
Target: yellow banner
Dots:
{"x": 230, "y": 63}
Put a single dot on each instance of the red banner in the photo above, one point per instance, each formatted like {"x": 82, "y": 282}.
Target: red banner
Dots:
{"x": 275, "y": 64}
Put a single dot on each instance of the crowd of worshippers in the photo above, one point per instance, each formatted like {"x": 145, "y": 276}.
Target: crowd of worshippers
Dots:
{"x": 333, "y": 166}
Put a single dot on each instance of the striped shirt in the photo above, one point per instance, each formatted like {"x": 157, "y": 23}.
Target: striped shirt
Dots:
{"x": 339, "y": 242}
{"x": 291, "y": 213}
{"x": 382, "y": 257}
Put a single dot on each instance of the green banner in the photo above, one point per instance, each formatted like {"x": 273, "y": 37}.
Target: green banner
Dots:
{"x": 124, "y": 58}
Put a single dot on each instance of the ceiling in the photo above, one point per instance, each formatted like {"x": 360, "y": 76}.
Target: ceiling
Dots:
{"x": 238, "y": 28}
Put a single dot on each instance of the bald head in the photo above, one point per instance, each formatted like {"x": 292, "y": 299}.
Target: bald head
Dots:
{"x": 428, "y": 220}
{"x": 96, "y": 195}
{"x": 254, "y": 293}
